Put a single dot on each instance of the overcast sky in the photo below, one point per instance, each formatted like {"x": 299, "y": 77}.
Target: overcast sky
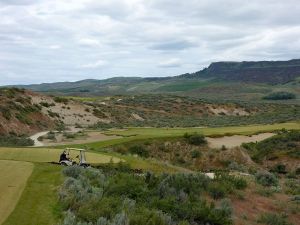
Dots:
{"x": 68, "y": 40}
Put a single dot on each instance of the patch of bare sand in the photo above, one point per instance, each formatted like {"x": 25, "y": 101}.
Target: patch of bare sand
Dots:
{"x": 91, "y": 136}
{"x": 228, "y": 111}
{"x": 236, "y": 140}
{"x": 71, "y": 113}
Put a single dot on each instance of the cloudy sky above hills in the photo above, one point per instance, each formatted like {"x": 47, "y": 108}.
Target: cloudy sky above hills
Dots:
{"x": 68, "y": 40}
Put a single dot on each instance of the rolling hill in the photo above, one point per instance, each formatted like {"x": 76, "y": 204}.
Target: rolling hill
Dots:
{"x": 229, "y": 80}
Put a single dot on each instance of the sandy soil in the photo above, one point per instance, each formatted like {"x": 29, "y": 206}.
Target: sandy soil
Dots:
{"x": 71, "y": 113}
{"x": 236, "y": 140}
{"x": 35, "y": 137}
{"x": 13, "y": 177}
{"x": 228, "y": 111}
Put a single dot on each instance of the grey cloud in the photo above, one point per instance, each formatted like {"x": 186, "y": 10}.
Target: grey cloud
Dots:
{"x": 17, "y": 2}
{"x": 173, "y": 45}
{"x": 44, "y": 38}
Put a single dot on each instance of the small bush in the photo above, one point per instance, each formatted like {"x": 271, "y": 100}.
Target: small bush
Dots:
{"x": 273, "y": 219}
{"x": 223, "y": 148}
{"x": 53, "y": 114}
{"x": 6, "y": 113}
{"x": 280, "y": 96}
{"x": 297, "y": 171}
{"x": 69, "y": 135}
{"x": 46, "y": 104}
{"x": 13, "y": 140}
{"x": 195, "y": 139}
{"x": 139, "y": 150}
{"x": 195, "y": 154}
{"x": 51, "y": 136}
{"x": 61, "y": 100}
{"x": 217, "y": 191}
{"x": 121, "y": 149}
{"x": 266, "y": 178}
{"x": 279, "y": 168}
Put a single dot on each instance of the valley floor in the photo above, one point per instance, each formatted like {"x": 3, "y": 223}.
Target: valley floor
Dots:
{"x": 38, "y": 201}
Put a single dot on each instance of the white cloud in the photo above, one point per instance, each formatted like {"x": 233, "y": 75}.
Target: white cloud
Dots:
{"x": 175, "y": 62}
{"x": 54, "y": 46}
{"x": 97, "y": 64}
{"x": 89, "y": 42}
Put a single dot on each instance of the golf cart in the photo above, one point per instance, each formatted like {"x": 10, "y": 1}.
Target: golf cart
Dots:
{"x": 66, "y": 160}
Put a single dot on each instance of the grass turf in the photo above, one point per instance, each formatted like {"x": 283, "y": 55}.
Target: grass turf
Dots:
{"x": 251, "y": 129}
{"x": 12, "y": 183}
{"x": 132, "y": 134}
{"x": 38, "y": 203}
{"x": 49, "y": 155}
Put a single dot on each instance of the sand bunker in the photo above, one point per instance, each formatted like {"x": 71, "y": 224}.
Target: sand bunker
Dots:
{"x": 236, "y": 140}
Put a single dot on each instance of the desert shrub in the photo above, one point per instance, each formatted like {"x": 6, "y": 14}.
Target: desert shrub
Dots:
{"x": 280, "y": 96}
{"x": 217, "y": 191}
{"x": 279, "y": 168}
{"x": 226, "y": 206}
{"x": 139, "y": 150}
{"x": 195, "y": 138}
{"x": 265, "y": 191}
{"x": 237, "y": 167}
{"x": 273, "y": 219}
{"x": 61, "y": 100}
{"x": 41, "y": 138}
{"x": 46, "y": 104}
{"x": 223, "y": 148}
{"x": 73, "y": 171}
{"x": 60, "y": 126}
{"x": 195, "y": 154}
{"x": 53, "y": 114}
{"x": 266, "y": 179}
{"x": 297, "y": 171}
{"x": 121, "y": 149}
{"x": 122, "y": 197}
{"x": 69, "y": 135}
{"x": 50, "y": 136}
{"x": 293, "y": 186}
{"x": 22, "y": 117}
{"x": 238, "y": 182}
{"x": 6, "y": 113}
{"x": 14, "y": 140}
{"x": 99, "y": 114}
{"x": 283, "y": 142}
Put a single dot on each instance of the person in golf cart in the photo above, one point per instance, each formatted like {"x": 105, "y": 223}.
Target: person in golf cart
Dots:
{"x": 64, "y": 157}
{"x": 66, "y": 160}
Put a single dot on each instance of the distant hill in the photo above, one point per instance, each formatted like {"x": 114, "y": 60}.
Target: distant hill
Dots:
{"x": 272, "y": 72}
{"x": 231, "y": 80}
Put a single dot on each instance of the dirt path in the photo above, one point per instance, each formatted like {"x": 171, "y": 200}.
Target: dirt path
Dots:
{"x": 35, "y": 137}
{"x": 13, "y": 178}
{"x": 236, "y": 140}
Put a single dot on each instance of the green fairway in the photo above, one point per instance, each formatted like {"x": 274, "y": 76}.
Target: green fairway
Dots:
{"x": 161, "y": 132}
{"x": 12, "y": 183}
{"x": 48, "y": 155}
{"x": 38, "y": 203}
{"x": 133, "y": 134}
